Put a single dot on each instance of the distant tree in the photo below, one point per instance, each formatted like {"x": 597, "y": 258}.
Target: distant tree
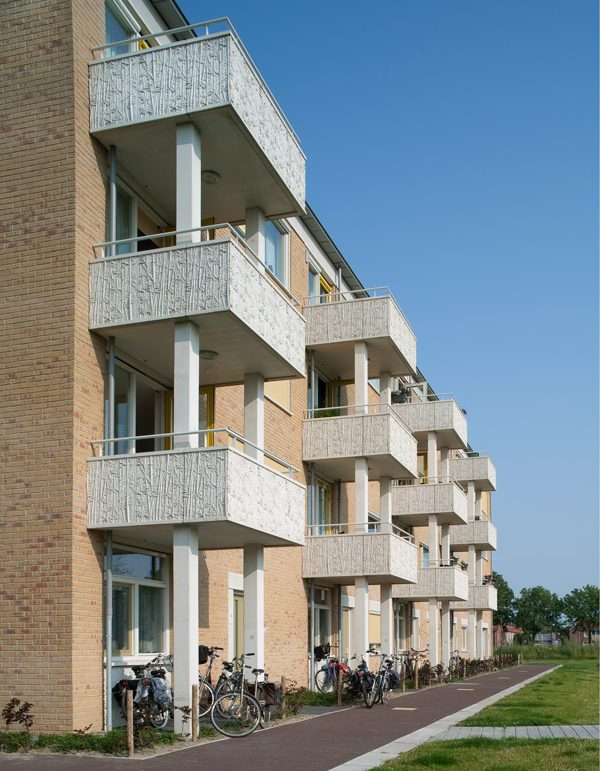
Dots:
{"x": 538, "y": 610}
{"x": 505, "y": 614}
{"x": 582, "y": 609}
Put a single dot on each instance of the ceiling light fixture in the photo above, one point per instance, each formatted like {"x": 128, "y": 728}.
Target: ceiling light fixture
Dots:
{"x": 205, "y": 354}
{"x": 211, "y": 177}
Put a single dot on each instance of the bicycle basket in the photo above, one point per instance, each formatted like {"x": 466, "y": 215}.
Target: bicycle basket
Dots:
{"x": 203, "y": 652}
{"x": 321, "y": 651}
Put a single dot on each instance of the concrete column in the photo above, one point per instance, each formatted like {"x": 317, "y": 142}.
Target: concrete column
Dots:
{"x": 478, "y": 567}
{"x": 471, "y": 635}
{"x": 361, "y": 616}
{"x": 471, "y": 501}
{"x": 481, "y": 654}
{"x": 386, "y": 609}
{"x": 254, "y": 414}
{"x": 434, "y": 544}
{"x": 361, "y": 377}
{"x": 255, "y": 232}
{"x": 361, "y": 494}
{"x": 385, "y": 388}
{"x": 185, "y": 616}
{"x": 188, "y": 182}
{"x": 472, "y": 564}
{"x": 432, "y": 461}
{"x": 477, "y": 511}
{"x": 434, "y": 658}
{"x": 445, "y": 542}
{"x": 186, "y": 383}
{"x": 446, "y": 633}
{"x": 254, "y": 604}
{"x": 385, "y": 501}
{"x": 445, "y": 464}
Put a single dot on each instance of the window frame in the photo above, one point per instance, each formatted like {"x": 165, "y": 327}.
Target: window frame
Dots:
{"x": 284, "y": 232}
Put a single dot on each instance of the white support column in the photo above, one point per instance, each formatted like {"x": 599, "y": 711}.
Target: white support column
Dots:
{"x": 186, "y": 384}
{"x": 185, "y": 617}
{"x": 445, "y": 464}
{"x": 471, "y": 501}
{"x": 188, "y": 182}
{"x": 386, "y": 609}
{"x": 361, "y": 494}
{"x": 361, "y": 616}
{"x": 434, "y": 658}
{"x": 254, "y": 604}
{"x": 434, "y": 544}
{"x": 478, "y": 567}
{"x": 445, "y": 543}
{"x": 477, "y": 511}
{"x": 471, "y": 632}
{"x": 254, "y": 414}
{"x": 481, "y": 654}
{"x": 432, "y": 459}
{"x": 385, "y": 503}
{"x": 385, "y": 388}
{"x": 472, "y": 565}
{"x": 255, "y": 232}
{"x": 361, "y": 377}
{"x": 446, "y": 633}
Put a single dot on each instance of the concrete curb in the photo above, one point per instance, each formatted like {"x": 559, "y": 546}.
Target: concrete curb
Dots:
{"x": 391, "y": 750}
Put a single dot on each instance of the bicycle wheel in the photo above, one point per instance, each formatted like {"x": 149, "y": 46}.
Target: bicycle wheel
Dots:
{"x": 235, "y": 714}
{"x": 368, "y": 694}
{"x": 157, "y": 714}
{"x": 325, "y": 681}
{"x": 206, "y": 697}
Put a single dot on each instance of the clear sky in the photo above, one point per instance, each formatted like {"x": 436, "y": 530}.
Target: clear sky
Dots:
{"x": 453, "y": 155}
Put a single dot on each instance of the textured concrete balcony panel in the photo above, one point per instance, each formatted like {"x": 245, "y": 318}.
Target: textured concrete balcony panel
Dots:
{"x": 412, "y": 504}
{"x": 444, "y": 417}
{"x": 443, "y": 583}
{"x": 339, "y": 559}
{"x": 480, "y": 533}
{"x": 478, "y": 469}
{"x": 212, "y": 82}
{"x": 334, "y": 327}
{"x": 233, "y": 499}
{"x": 480, "y": 598}
{"x": 336, "y": 442}
{"x": 240, "y": 313}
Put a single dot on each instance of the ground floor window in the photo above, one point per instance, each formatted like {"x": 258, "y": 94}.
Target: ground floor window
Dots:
{"x": 139, "y": 617}
{"x": 463, "y": 638}
{"x": 321, "y": 632}
{"x": 375, "y": 631}
{"x": 400, "y": 625}
{"x": 238, "y": 624}
{"x": 415, "y": 632}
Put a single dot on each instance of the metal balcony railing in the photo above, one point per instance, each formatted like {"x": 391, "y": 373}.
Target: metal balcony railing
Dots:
{"x": 353, "y": 528}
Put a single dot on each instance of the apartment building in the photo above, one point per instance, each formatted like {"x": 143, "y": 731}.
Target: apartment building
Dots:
{"x": 213, "y": 431}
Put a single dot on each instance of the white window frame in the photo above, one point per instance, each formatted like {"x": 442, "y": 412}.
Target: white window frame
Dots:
{"x": 136, "y": 657}
{"x": 464, "y": 638}
{"x": 284, "y": 229}
{"x": 235, "y": 585}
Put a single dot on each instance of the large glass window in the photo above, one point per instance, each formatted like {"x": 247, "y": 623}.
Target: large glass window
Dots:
{"x": 117, "y": 28}
{"x": 423, "y": 556}
{"x": 276, "y": 250}
{"x": 139, "y": 602}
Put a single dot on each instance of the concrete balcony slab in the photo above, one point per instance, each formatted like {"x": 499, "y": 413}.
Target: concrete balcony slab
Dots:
{"x": 233, "y": 499}
{"x": 335, "y": 442}
{"x": 478, "y": 469}
{"x": 413, "y": 503}
{"x": 481, "y": 597}
{"x": 439, "y": 582}
{"x": 217, "y": 284}
{"x": 444, "y": 416}
{"x": 480, "y": 533}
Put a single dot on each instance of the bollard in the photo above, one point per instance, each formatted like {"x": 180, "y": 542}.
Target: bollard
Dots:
{"x": 195, "y": 711}
{"x": 340, "y": 684}
{"x": 129, "y": 717}
{"x": 416, "y": 676}
{"x": 464, "y": 669}
{"x": 283, "y": 704}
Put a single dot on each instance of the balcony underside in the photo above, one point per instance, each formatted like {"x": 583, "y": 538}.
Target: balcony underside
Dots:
{"x": 444, "y": 417}
{"x": 338, "y": 559}
{"x": 480, "y": 598}
{"x": 413, "y": 504}
{"x": 481, "y": 534}
{"x": 441, "y": 583}
{"x": 232, "y": 499}
{"x": 477, "y": 469}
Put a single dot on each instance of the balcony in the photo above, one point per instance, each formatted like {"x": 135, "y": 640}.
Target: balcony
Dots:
{"x": 232, "y": 498}
{"x": 219, "y": 284}
{"x": 441, "y": 582}
{"x": 475, "y": 468}
{"x": 481, "y": 597}
{"x": 412, "y": 503}
{"x": 441, "y": 414}
{"x": 138, "y": 97}
{"x": 333, "y": 327}
{"x": 337, "y": 554}
{"x": 339, "y": 435}
{"x": 480, "y": 533}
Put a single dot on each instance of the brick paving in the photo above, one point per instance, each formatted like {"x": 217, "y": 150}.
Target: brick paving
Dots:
{"x": 318, "y": 744}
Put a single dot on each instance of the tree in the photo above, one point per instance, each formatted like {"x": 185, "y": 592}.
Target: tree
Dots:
{"x": 582, "y": 609}
{"x": 538, "y": 610}
{"x": 505, "y": 614}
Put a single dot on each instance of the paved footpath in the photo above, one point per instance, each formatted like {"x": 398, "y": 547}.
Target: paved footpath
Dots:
{"x": 522, "y": 732}
{"x": 318, "y": 744}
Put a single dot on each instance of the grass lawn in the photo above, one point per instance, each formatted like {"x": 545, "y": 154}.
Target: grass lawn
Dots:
{"x": 500, "y": 755}
{"x": 568, "y": 696}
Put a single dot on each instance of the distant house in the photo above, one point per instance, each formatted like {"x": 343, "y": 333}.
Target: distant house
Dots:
{"x": 547, "y": 638}
{"x": 505, "y": 636}
{"x": 580, "y": 637}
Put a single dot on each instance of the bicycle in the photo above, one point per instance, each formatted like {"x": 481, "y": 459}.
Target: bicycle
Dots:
{"x": 326, "y": 678}
{"x": 206, "y": 692}
{"x": 236, "y": 712}
{"x": 153, "y": 698}
{"x": 380, "y": 687}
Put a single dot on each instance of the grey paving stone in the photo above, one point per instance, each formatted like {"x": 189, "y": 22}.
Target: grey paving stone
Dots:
{"x": 545, "y": 732}
{"x": 594, "y": 731}
{"x": 521, "y": 732}
{"x": 487, "y": 733}
{"x": 533, "y": 732}
{"x": 581, "y": 731}
{"x": 499, "y": 733}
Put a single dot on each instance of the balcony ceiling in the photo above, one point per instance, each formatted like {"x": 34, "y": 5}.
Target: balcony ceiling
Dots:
{"x": 336, "y": 360}
{"x": 343, "y": 469}
{"x": 146, "y": 153}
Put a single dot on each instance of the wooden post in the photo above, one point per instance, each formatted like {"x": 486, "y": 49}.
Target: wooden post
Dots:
{"x": 464, "y": 669}
{"x": 129, "y": 717}
{"x": 416, "y": 674}
{"x": 403, "y": 678}
{"x": 195, "y": 710}
{"x": 283, "y": 704}
{"x": 340, "y": 683}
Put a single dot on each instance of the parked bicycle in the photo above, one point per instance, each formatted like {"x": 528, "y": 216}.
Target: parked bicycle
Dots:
{"x": 326, "y": 678}
{"x": 153, "y": 696}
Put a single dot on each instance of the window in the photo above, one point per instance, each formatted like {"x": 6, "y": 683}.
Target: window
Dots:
{"x": 206, "y": 416}
{"x": 324, "y": 290}
{"x": 322, "y": 516}
{"x": 374, "y": 630}
{"x": 374, "y": 522}
{"x": 279, "y": 392}
{"x": 276, "y": 243}
{"x": 238, "y": 624}
{"x": 423, "y": 556}
{"x": 139, "y": 603}
{"x": 415, "y": 634}
{"x": 119, "y": 26}
{"x": 400, "y": 626}
{"x": 313, "y": 286}
{"x": 322, "y": 611}
{"x": 463, "y": 638}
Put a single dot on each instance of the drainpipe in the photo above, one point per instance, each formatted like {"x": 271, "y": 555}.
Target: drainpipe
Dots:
{"x": 110, "y": 429}
{"x": 112, "y": 197}
{"x": 340, "y": 626}
{"x": 312, "y": 637}
{"x": 108, "y": 627}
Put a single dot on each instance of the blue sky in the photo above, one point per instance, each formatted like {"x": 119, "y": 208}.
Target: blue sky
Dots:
{"x": 452, "y": 154}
